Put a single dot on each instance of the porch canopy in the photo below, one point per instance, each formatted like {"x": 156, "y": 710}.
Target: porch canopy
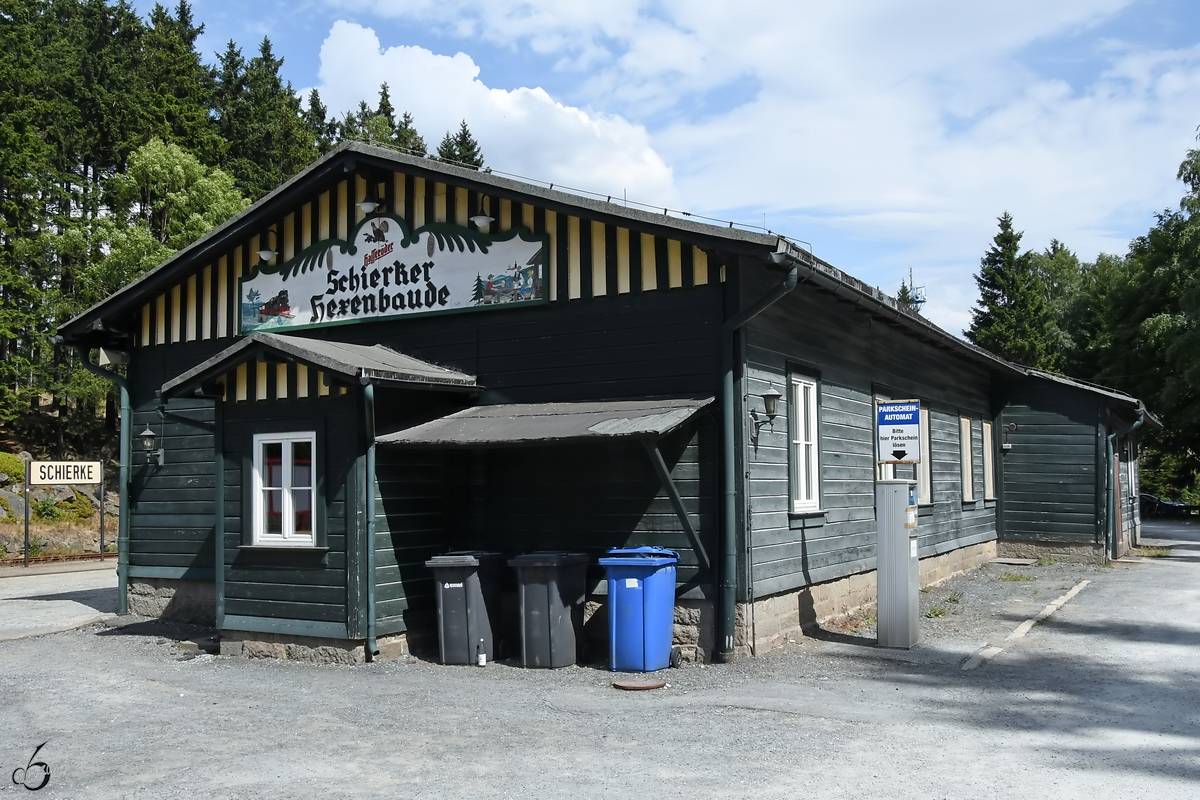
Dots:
{"x": 527, "y": 424}
{"x": 517, "y": 424}
{"x": 351, "y": 363}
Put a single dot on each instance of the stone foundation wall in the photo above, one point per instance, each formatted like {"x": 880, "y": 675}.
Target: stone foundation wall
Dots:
{"x": 773, "y": 620}
{"x": 193, "y": 602}
{"x": 694, "y": 629}
{"x": 1074, "y": 553}
{"x": 310, "y": 649}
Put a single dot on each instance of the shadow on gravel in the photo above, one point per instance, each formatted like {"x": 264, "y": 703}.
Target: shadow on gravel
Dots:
{"x": 817, "y": 632}
{"x": 103, "y": 600}
{"x": 1136, "y": 723}
{"x": 202, "y": 638}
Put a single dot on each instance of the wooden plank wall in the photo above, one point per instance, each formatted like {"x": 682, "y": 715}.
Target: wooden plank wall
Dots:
{"x": 1052, "y": 478}
{"x": 855, "y": 359}
{"x": 280, "y": 584}
{"x": 171, "y": 507}
{"x": 411, "y": 527}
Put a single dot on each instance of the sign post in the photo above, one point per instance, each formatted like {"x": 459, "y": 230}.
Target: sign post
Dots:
{"x": 898, "y": 426}
{"x": 57, "y": 473}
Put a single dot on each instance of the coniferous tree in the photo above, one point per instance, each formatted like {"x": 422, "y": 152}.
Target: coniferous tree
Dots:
{"x": 461, "y": 148}
{"x": 1012, "y": 319}
{"x": 407, "y": 137}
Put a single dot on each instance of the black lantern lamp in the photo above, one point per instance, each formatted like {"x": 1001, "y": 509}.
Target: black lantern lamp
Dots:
{"x": 771, "y": 403}
{"x": 148, "y": 440}
{"x": 770, "y": 400}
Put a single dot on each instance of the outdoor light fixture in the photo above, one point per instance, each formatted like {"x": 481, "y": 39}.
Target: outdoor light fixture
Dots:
{"x": 1009, "y": 428}
{"x": 770, "y": 400}
{"x": 370, "y": 204}
{"x": 771, "y": 403}
{"x": 148, "y": 440}
{"x": 481, "y": 219}
{"x": 266, "y": 254}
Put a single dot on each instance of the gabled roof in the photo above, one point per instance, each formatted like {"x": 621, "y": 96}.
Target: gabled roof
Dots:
{"x": 548, "y": 423}
{"x": 357, "y": 363}
{"x": 1116, "y": 398}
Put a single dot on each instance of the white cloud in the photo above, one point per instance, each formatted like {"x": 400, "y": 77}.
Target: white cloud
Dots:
{"x": 522, "y": 131}
{"x": 899, "y": 129}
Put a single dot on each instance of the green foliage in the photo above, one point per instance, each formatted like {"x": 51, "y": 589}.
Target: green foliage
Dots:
{"x": 12, "y": 466}
{"x": 1013, "y": 319}
{"x": 47, "y": 509}
{"x": 1016, "y": 577}
{"x": 934, "y": 612}
{"x": 36, "y": 544}
{"x": 461, "y": 148}
{"x": 9, "y": 518}
{"x": 905, "y": 296}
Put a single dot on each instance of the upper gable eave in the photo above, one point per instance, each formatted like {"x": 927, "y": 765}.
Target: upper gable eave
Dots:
{"x": 347, "y": 158}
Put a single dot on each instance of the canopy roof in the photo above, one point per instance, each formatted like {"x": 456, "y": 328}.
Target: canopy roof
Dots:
{"x": 354, "y": 362}
{"x": 541, "y": 423}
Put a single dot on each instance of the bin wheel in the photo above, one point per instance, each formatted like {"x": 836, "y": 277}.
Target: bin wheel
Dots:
{"x": 676, "y": 657}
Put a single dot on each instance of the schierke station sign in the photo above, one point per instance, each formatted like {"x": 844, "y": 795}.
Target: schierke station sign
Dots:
{"x": 53, "y": 473}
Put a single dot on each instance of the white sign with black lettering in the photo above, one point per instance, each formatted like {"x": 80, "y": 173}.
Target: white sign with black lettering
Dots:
{"x": 55, "y": 473}
{"x": 898, "y": 426}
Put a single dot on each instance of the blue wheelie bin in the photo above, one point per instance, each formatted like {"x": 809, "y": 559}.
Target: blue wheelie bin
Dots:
{"x": 641, "y": 607}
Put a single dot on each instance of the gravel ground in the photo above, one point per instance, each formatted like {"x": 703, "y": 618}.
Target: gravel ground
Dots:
{"x": 138, "y": 711}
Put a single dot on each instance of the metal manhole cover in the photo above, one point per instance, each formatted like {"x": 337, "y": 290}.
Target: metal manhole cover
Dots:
{"x": 634, "y": 685}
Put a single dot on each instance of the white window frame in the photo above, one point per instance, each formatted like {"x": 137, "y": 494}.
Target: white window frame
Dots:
{"x": 966, "y": 459}
{"x": 925, "y": 467}
{"x": 288, "y": 537}
{"x": 804, "y": 443}
{"x": 989, "y": 464}
{"x": 883, "y": 471}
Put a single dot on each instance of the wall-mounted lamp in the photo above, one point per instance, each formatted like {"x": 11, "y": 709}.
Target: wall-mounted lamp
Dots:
{"x": 481, "y": 219}
{"x": 770, "y": 400}
{"x": 266, "y": 254}
{"x": 1009, "y": 428}
{"x": 148, "y": 441}
{"x": 370, "y": 204}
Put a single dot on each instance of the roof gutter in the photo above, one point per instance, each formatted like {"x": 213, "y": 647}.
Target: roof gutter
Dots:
{"x": 727, "y": 594}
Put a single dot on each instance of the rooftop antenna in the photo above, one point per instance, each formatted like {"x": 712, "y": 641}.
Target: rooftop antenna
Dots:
{"x": 918, "y": 292}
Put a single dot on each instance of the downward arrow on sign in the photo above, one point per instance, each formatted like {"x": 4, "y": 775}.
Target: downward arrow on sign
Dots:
{"x": 899, "y": 454}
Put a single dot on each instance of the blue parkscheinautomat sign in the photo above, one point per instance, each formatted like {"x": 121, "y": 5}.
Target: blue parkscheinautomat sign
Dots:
{"x": 898, "y": 426}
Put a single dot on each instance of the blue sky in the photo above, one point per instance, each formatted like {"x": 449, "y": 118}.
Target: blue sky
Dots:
{"x": 889, "y": 136}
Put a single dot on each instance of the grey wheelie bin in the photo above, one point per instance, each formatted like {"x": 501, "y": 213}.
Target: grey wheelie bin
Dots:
{"x": 551, "y": 591}
{"x": 467, "y": 585}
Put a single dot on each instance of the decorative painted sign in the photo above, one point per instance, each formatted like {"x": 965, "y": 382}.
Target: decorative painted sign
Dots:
{"x": 898, "y": 426}
{"x": 53, "y": 473}
{"x": 386, "y": 271}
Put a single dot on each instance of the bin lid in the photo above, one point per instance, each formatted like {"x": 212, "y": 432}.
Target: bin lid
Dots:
{"x": 547, "y": 559}
{"x": 462, "y": 558}
{"x": 646, "y": 556}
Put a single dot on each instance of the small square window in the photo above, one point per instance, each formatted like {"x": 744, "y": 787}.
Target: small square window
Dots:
{"x": 284, "y": 489}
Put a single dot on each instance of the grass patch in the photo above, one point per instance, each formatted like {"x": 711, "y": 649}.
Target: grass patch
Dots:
{"x": 35, "y": 546}
{"x": 8, "y": 517}
{"x": 1153, "y": 552}
{"x": 935, "y": 612}
{"x": 955, "y": 597}
{"x": 1014, "y": 577}
{"x": 1045, "y": 561}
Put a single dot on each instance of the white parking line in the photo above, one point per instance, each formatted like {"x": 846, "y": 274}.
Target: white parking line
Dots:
{"x": 987, "y": 653}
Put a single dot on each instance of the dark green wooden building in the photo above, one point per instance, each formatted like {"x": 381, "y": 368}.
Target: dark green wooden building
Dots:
{"x": 388, "y": 358}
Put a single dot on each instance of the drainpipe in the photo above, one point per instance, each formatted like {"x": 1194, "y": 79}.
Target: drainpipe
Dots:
{"x": 369, "y": 404}
{"x": 1110, "y": 530}
{"x": 216, "y": 429}
{"x": 123, "y": 478}
{"x": 727, "y": 596}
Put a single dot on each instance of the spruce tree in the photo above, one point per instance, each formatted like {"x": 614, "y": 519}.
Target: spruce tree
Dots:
{"x": 1012, "y": 319}
{"x": 461, "y": 148}
{"x": 407, "y": 137}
